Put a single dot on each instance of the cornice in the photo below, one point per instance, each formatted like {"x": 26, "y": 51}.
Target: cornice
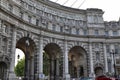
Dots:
{"x": 61, "y": 7}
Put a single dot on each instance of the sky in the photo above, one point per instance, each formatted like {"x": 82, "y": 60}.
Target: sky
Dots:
{"x": 20, "y": 53}
{"x": 110, "y": 7}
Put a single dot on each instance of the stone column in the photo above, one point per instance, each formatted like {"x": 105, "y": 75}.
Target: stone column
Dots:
{"x": 111, "y": 53}
{"x": 57, "y": 67}
{"x": 13, "y": 48}
{"x": 41, "y": 76}
{"x": 66, "y": 74}
{"x": 105, "y": 58}
{"x": 91, "y": 61}
{"x": 52, "y": 69}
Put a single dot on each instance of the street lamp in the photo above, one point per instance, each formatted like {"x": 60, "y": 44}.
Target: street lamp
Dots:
{"x": 113, "y": 53}
{"x": 18, "y": 56}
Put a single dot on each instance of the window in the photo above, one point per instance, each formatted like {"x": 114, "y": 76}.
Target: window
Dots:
{"x": 77, "y": 31}
{"x": 106, "y": 33}
{"x": 29, "y": 7}
{"x": 108, "y": 48}
{"x": 61, "y": 29}
{"x": 21, "y": 14}
{"x": 115, "y": 33}
{"x": 53, "y": 27}
{"x": 96, "y": 32}
{"x": 85, "y": 32}
{"x": 37, "y": 22}
{"x": 116, "y": 49}
{"x": 29, "y": 19}
{"x": 4, "y": 28}
{"x": 10, "y": 7}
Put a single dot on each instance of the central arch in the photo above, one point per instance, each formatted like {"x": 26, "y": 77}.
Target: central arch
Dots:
{"x": 28, "y": 47}
{"x": 77, "y": 62}
{"x": 53, "y": 51}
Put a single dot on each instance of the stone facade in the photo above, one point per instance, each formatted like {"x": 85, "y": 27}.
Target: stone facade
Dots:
{"x": 80, "y": 39}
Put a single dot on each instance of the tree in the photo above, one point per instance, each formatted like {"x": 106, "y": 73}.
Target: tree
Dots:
{"x": 46, "y": 63}
{"x": 19, "y": 68}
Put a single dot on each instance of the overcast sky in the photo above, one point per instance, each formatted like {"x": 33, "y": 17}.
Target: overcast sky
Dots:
{"x": 111, "y": 8}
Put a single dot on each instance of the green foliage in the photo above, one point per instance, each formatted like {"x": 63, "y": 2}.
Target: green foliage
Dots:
{"x": 19, "y": 68}
{"x": 46, "y": 63}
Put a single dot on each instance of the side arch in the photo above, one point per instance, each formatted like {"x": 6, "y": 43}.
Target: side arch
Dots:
{"x": 77, "y": 61}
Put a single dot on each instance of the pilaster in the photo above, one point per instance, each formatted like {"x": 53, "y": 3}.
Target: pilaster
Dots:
{"x": 12, "y": 64}
{"x": 105, "y": 58}
{"x": 66, "y": 74}
{"x": 40, "y": 73}
{"x": 91, "y": 61}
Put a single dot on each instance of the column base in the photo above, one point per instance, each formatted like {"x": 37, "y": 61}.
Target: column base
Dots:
{"x": 12, "y": 76}
{"x": 66, "y": 77}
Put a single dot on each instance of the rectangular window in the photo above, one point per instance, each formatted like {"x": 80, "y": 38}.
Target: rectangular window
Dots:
{"x": 115, "y": 33}
{"x": 96, "y": 32}
{"x": 37, "y": 22}
{"x": 29, "y": 19}
{"x": 108, "y": 48}
{"x": 77, "y": 31}
{"x": 106, "y": 33}
{"x": 85, "y": 32}
{"x": 54, "y": 27}
{"x": 21, "y": 14}
{"x": 61, "y": 29}
{"x": 116, "y": 49}
{"x": 29, "y": 7}
{"x": 10, "y": 7}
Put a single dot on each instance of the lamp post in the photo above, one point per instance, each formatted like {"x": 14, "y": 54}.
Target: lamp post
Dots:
{"x": 113, "y": 53}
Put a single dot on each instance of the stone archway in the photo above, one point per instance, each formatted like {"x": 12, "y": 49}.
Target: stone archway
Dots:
{"x": 3, "y": 70}
{"x": 77, "y": 62}
{"x": 53, "y": 51}
{"x": 28, "y": 46}
{"x": 98, "y": 71}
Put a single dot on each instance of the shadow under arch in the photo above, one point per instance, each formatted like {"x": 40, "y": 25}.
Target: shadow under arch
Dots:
{"x": 3, "y": 70}
{"x": 4, "y": 66}
{"x": 77, "y": 62}
{"x": 53, "y": 51}
{"x": 27, "y": 45}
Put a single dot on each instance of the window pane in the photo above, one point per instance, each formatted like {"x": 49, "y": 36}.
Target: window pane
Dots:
{"x": 106, "y": 33}
{"x": 115, "y": 33}
{"x": 96, "y": 32}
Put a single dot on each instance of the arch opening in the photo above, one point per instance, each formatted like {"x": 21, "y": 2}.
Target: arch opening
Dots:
{"x": 3, "y": 70}
{"x": 52, "y": 56}
{"x": 28, "y": 47}
{"x": 77, "y": 62}
{"x": 98, "y": 71}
